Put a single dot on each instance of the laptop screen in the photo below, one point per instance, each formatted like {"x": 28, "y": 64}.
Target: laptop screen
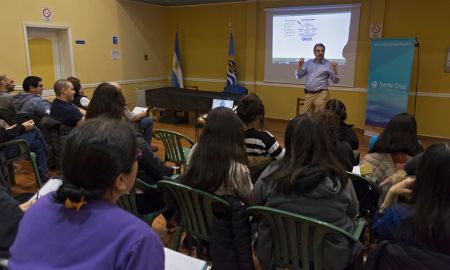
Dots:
{"x": 222, "y": 103}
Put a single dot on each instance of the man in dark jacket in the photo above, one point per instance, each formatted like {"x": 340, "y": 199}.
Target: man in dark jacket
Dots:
{"x": 30, "y": 103}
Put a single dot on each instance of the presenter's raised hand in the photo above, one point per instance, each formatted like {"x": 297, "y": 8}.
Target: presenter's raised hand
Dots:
{"x": 301, "y": 61}
{"x": 300, "y": 64}
{"x": 334, "y": 66}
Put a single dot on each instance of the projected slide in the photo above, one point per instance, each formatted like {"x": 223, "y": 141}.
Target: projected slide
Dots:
{"x": 294, "y": 36}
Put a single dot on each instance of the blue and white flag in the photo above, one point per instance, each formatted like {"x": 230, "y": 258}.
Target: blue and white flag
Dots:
{"x": 231, "y": 70}
{"x": 177, "y": 75}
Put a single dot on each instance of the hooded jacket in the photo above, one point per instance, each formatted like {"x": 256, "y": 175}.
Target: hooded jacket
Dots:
{"x": 32, "y": 105}
{"x": 318, "y": 196}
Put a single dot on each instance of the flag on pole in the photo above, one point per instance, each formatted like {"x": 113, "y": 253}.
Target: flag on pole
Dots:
{"x": 231, "y": 70}
{"x": 177, "y": 75}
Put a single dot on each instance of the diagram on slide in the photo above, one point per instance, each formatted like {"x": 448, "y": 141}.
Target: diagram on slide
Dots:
{"x": 294, "y": 36}
{"x": 304, "y": 29}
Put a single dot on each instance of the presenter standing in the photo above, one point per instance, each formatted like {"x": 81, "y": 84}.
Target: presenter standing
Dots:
{"x": 318, "y": 72}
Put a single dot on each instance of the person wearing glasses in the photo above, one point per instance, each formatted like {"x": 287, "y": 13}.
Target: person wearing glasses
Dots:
{"x": 62, "y": 108}
{"x": 30, "y": 104}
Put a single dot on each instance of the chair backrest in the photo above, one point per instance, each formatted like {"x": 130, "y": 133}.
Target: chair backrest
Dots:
{"x": 173, "y": 146}
{"x": 367, "y": 192}
{"x": 289, "y": 230}
{"x": 196, "y": 207}
{"x": 129, "y": 203}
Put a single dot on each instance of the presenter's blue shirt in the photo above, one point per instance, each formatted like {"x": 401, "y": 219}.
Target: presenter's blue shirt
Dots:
{"x": 317, "y": 74}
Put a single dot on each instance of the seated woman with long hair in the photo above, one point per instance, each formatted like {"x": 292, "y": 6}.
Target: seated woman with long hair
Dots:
{"x": 80, "y": 226}
{"x": 425, "y": 218}
{"x": 218, "y": 163}
{"x": 108, "y": 102}
{"x": 308, "y": 181}
{"x": 394, "y": 147}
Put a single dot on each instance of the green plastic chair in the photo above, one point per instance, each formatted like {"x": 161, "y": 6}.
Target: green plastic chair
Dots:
{"x": 173, "y": 147}
{"x": 128, "y": 202}
{"x": 24, "y": 154}
{"x": 196, "y": 210}
{"x": 289, "y": 229}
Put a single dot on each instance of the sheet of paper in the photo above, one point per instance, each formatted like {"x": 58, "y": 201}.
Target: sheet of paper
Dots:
{"x": 178, "y": 261}
{"x": 137, "y": 110}
{"x": 356, "y": 170}
{"x": 50, "y": 186}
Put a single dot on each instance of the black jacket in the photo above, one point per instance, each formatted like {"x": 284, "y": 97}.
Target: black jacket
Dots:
{"x": 346, "y": 134}
{"x": 230, "y": 245}
{"x": 10, "y": 215}
{"x": 388, "y": 255}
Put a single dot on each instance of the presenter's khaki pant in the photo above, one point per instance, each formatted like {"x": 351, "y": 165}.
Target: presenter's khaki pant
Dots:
{"x": 316, "y": 102}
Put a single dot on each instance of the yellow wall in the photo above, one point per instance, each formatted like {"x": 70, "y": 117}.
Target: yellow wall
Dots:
{"x": 204, "y": 45}
{"x": 146, "y": 29}
{"x": 141, "y": 29}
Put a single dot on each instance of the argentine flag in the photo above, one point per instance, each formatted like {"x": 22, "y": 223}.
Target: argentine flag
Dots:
{"x": 231, "y": 69}
{"x": 177, "y": 75}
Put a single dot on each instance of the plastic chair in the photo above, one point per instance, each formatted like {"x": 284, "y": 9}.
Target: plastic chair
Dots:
{"x": 367, "y": 192}
{"x": 173, "y": 147}
{"x": 128, "y": 202}
{"x": 289, "y": 229}
{"x": 24, "y": 154}
{"x": 196, "y": 210}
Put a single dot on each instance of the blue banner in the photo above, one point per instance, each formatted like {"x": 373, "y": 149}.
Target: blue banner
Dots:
{"x": 391, "y": 63}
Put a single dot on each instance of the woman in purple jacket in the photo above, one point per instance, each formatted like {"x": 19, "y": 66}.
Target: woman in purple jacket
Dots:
{"x": 80, "y": 226}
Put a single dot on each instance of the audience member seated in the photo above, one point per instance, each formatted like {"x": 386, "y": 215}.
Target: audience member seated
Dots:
{"x": 395, "y": 146}
{"x": 34, "y": 138}
{"x": 79, "y": 99}
{"x": 258, "y": 142}
{"x": 218, "y": 162}
{"x": 62, "y": 108}
{"x": 427, "y": 200}
{"x": 6, "y": 87}
{"x": 10, "y": 215}
{"x": 423, "y": 222}
{"x": 342, "y": 149}
{"x": 107, "y": 101}
{"x": 345, "y": 133}
{"x": 90, "y": 231}
{"x": 30, "y": 104}
{"x": 143, "y": 122}
{"x": 308, "y": 181}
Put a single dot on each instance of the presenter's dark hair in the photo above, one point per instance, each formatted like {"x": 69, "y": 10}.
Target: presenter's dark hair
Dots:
{"x": 221, "y": 143}
{"x": 106, "y": 101}
{"x": 428, "y": 224}
{"x": 307, "y": 151}
{"x": 399, "y": 136}
{"x": 319, "y": 45}
{"x": 93, "y": 156}
{"x": 76, "y": 84}
{"x": 30, "y": 81}
{"x": 338, "y": 107}
{"x": 250, "y": 107}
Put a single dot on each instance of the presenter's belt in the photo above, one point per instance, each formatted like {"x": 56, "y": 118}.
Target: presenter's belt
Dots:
{"x": 315, "y": 92}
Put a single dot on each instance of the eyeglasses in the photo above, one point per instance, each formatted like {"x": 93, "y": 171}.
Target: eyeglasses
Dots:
{"x": 138, "y": 154}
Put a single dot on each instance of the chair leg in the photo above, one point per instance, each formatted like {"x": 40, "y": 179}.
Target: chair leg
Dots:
{"x": 35, "y": 169}
{"x": 12, "y": 176}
